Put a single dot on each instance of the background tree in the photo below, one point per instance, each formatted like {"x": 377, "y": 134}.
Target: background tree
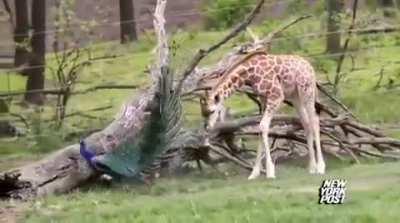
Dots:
{"x": 37, "y": 60}
{"x": 21, "y": 33}
{"x": 127, "y": 23}
{"x": 335, "y": 7}
{"x": 388, "y": 7}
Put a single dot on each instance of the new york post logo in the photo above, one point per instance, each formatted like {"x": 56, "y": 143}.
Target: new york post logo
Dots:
{"x": 332, "y": 191}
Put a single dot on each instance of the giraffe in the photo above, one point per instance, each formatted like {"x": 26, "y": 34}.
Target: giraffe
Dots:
{"x": 274, "y": 78}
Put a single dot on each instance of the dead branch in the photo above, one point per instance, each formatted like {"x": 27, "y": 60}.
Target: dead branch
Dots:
{"x": 289, "y": 129}
{"x": 104, "y": 87}
{"x": 377, "y": 30}
{"x": 334, "y": 99}
{"x": 266, "y": 42}
{"x": 203, "y": 53}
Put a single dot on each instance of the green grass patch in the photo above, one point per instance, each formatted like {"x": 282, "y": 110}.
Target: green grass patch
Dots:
{"x": 371, "y": 197}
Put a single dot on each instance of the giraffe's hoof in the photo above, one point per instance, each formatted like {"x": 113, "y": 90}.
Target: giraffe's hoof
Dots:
{"x": 313, "y": 169}
{"x": 253, "y": 176}
{"x": 270, "y": 174}
{"x": 321, "y": 168}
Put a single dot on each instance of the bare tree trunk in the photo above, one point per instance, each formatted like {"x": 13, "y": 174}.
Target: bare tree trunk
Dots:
{"x": 21, "y": 33}
{"x": 127, "y": 23}
{"x": 333, "y": 38}
{"x": 37, "y": 61}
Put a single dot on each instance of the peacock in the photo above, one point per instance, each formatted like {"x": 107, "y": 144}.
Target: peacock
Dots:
{"x": 136, "y": 155}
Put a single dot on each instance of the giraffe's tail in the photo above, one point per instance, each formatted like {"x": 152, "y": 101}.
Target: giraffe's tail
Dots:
{"x": 318, "y": 106}
{"x": 321, "y": 107}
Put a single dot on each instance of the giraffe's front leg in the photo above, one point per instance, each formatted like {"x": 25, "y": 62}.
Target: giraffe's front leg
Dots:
{"x": 257, "y": 165}
{"x": 264, "y": 127}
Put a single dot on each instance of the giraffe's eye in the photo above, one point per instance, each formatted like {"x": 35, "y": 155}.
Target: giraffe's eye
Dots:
{"x": 216, "y": 98}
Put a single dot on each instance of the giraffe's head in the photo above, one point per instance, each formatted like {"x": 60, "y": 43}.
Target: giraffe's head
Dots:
{"x": 211, "y": 108}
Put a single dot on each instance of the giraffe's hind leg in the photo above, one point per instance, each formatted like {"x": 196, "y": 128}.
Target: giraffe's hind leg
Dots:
{"x": 307, "y": 98}
{"x": 316, "y": 131}
{"x": 257, "y": 165}
{"x": 309, "y": 133}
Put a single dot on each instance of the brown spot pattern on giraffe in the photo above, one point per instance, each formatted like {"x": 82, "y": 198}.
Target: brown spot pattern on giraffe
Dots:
{"x": 240, "y": 83}
{"x": 266, "y": 74}
{"x": 263, "y": 64}
{"x": 255, "y": 78}
{"x": 234, "y": 79}
{"x": 253, "y": 62}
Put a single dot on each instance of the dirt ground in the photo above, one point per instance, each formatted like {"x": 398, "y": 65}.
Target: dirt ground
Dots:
{"x": 9, "y": 214}
{"x": 11, "y": 211}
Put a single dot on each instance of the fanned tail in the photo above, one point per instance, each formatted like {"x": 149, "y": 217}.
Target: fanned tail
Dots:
{"x": 162, "y": 128}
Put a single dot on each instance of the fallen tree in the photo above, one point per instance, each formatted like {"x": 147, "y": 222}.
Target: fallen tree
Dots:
{"x": 342, "y": 134}
{"x": 65, "y": 169}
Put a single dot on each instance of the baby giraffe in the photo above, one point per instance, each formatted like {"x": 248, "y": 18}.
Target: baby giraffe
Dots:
{"x": 274, "y": 78}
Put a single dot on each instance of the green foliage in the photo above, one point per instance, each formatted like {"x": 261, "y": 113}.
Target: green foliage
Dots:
{"x": 222, "y": 14}
{"x": 11, "y": 82}
{"x": 316, "y": 7}
{"x": 298, "y": 6}
{"x": 43, "y": 136}
{"x": 372, "y": 4}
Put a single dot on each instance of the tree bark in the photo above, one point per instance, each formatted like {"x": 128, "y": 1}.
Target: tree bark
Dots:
{"x": 37, "y": 61}
{"x": 21, "y": 33}
{"x": 334, "y": 37}
{"x": 127, "y": 23}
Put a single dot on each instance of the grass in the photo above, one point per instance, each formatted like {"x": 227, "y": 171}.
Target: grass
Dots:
{"x": 371, "y": 197}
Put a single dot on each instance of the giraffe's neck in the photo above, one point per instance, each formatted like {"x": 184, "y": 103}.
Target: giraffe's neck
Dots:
{"x": 228, "y": 86}
{"x": 236, "y": 76}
